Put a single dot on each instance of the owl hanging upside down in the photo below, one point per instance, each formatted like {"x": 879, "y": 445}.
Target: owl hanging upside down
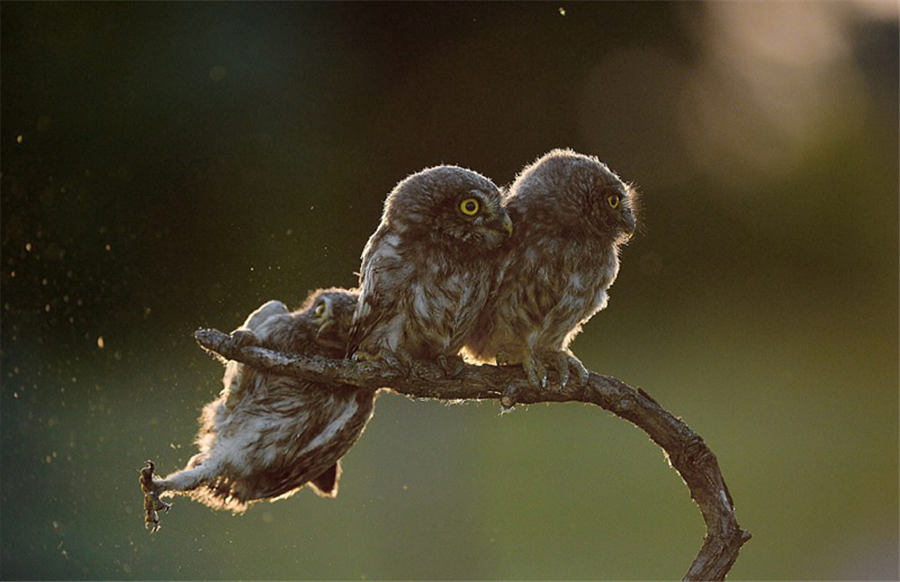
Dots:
{"x": 266, "y": 436}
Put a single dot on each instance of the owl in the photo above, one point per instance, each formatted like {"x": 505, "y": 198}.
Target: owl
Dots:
{"x": 572, "y": 215}
{"x": 266, "y": 436}
{"x": 428, "y": 268}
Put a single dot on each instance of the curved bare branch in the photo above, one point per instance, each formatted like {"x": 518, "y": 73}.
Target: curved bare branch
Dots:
{"x": 686, "y": 450}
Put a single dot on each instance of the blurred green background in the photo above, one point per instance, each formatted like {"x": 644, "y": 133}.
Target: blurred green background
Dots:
{"x": 172, "y": 166}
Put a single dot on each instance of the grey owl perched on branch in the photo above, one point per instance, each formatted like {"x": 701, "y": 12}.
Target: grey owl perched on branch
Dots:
{"x": 266, "y": 435}
{"x": 427, "y": 270}
{"x": 571, "y": 214}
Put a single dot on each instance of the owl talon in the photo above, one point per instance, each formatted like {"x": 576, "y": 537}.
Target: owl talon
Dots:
{"x": 568, "y": 362}
{"x": 562, "y": 367}
{"x": 503, "y": 359}
{"x": 537, "y": 375}
{"x": 564, "y": 363}
{"x": 452, "y": 366}
{"x": 583, "y": 373}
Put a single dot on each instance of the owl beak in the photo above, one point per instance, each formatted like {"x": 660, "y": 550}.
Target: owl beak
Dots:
{"x": 630, "y": 225}
{"x": 323, "y": 327}
{"x": 507, "y": 224}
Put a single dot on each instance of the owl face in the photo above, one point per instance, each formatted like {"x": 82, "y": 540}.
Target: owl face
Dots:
{"x": 451, "y": 206}
{"x": 331, "y": 313}
{"x": 564, "y": 187}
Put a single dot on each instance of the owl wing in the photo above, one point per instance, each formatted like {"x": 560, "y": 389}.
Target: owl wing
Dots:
{"x": 582, "y": 295}
{"x": 381, "y": 280}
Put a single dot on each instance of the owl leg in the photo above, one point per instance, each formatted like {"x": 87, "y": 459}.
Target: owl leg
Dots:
{"x": 186, "y": 480}
{"x": 152, "y": 503}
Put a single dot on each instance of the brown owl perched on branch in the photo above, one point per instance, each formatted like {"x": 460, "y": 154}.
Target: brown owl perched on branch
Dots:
{"x": 266, "y": 435}
{"x": 427, "y": 270}
{"x": 571, "y": 214}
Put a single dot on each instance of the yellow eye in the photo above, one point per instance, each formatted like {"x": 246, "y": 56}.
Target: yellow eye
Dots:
{"x": 613, "y": 200}
{"x": 320, "y": 309}
{"x": 469, "y": 206}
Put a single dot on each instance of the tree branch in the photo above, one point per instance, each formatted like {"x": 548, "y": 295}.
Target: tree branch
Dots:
{"x": 685, "y": 449}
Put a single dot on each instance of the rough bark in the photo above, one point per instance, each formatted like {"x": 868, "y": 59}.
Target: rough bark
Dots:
{"x": 686, "y": 450}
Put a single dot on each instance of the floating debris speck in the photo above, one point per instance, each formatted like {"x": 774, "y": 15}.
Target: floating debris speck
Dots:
{"x": 217, "y": 73}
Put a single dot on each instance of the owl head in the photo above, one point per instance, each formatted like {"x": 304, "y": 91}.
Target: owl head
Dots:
{"x": 578, "y": 191}
{"x": 331, "y": 314}
{"x": 449, "y": 206}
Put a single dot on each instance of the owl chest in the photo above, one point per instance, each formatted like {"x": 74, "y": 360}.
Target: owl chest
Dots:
{"x": 602, "y": 275}
{"x": 444, "y": 307}
{"x": 576, "y": 280}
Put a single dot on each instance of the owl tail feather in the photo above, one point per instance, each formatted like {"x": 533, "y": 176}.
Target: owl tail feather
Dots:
{"x": 326, "y": 484}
